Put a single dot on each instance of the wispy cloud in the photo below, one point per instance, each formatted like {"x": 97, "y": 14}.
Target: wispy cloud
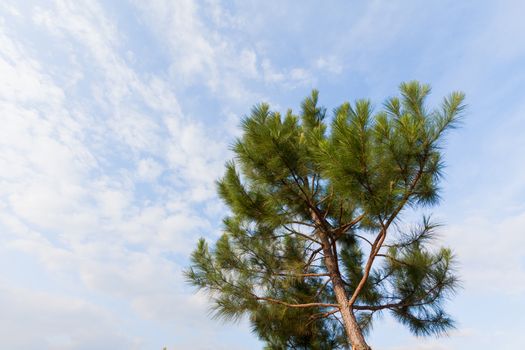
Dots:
{"x": 103, "y": 178}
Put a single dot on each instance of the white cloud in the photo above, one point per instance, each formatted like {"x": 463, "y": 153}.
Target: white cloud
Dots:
{"x": 23, "y": 82}
{"x": 202, "y": 53}
{"x": 248, "y": 63}
{"x": 331, "y": 64}
{"x": 486, "y": 249}
{"x": 194, "y": 48}
{"x": 71, "y": 172}
{"x": 33, "y": 319}
{"x": 270, "y": 74}
{"x": 148, "y": 169}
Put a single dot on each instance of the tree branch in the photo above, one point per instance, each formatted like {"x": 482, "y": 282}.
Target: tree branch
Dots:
{"x": 301, "y": 274}
{"x": 342, "y": 229}
{"x": 402, "y": 303}
{"x": 321, "y": 315}
{"x": 363, "y": 238}
{"x": 280, "y": 302}
{"x": 382, "y": 235}
{"x": 312, "y": 256}
{"x": 301, "y": 234}
{"x": 322, "y": 288}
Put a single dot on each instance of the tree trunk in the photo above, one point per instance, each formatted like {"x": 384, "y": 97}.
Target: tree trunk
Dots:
{"x": 353, "y": 331}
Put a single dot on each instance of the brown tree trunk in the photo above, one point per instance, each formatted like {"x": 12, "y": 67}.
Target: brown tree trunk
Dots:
{"x": 353, "y": 331}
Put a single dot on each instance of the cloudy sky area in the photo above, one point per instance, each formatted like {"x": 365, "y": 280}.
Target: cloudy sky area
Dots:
{"x": 116, "y": 119}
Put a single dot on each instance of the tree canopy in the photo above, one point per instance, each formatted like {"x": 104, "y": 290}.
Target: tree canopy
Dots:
{"x": 314, "y": 247}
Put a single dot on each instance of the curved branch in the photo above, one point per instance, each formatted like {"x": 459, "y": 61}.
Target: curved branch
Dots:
{"x": 312, "y": 256}
{"x": 321, "y": 315}
{"x": 363, "y": 238}
{"x": 382, "y": 235}
{"x": 343, "y": 228}
{"x": 301, "y": 274}
{"x": 280, "y": 302}
{"x": 293, "y": 232}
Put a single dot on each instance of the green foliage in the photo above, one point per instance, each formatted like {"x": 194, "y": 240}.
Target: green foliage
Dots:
{"x": 294, "y": 328}
{"x": 294, "y": 177}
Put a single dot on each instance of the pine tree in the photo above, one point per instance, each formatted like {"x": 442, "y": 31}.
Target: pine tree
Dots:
{"x": 314, "y": 247}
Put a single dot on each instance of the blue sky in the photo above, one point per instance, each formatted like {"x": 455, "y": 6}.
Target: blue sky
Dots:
{"x": 116, "y": 119}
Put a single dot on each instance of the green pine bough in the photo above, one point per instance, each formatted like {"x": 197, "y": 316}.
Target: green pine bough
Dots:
{"x": 313, "y": 249}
